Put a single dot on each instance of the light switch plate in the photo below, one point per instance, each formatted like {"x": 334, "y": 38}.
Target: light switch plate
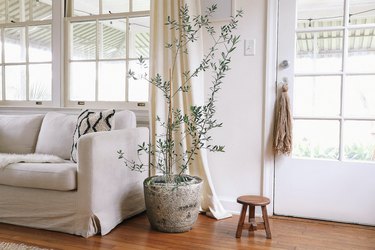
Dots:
{"x": 249, "y": 47}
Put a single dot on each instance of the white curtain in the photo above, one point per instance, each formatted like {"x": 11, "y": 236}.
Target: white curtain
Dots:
{"x": 160, "y": 62}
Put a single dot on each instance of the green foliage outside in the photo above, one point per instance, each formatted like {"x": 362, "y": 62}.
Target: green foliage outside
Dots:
{"x": 358, "y": 152}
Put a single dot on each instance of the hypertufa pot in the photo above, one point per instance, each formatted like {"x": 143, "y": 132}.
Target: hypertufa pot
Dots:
{"x": 172, "y": 207}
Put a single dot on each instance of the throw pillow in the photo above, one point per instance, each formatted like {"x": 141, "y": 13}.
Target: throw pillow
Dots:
{"x": 56, "y": 134}
{"x": 89, "y": 122}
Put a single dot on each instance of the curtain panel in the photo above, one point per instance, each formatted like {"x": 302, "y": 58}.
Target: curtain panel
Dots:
{"x": 160, "y": 62}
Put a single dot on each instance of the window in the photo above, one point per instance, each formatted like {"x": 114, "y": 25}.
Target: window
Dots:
{"x": 99, "y": 40}
{"x": 105, "y": 39}
{"x": 334, "y": 87}
{"x": 26, "y": 52}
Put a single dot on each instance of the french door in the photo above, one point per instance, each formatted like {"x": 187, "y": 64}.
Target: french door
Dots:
{"x": 326, "y": 53}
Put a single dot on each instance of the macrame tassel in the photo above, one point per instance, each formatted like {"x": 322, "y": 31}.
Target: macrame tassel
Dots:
{"x": 282, "y": 143}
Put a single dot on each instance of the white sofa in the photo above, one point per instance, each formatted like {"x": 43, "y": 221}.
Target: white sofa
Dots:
{"x": 84, "y": 198}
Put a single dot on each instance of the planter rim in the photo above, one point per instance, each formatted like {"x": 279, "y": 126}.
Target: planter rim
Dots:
{"x": 195, "y": 181}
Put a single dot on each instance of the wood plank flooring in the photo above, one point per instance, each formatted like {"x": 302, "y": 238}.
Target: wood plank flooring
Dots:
{"x": 135, "y": 233}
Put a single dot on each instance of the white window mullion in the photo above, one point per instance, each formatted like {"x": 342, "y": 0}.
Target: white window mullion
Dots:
{"x": 26, "y": 43}
{"x": 127, "y": 38}
{"x": 343, "y": 79}
{"x": 57, "y": 53}
{"x": 342, "y": 120}
{"x": 98, "y": 44}
{"x": 2, "y": 66}
{"x": 97, "y": 80}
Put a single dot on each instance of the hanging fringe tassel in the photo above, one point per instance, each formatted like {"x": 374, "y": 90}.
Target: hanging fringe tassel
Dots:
{"x": 282, "y": 143}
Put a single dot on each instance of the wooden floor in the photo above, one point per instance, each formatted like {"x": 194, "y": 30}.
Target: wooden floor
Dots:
{"x": 207, "y": 233}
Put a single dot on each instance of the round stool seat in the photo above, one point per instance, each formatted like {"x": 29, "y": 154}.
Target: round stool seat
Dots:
{"x": 253, "y": 200}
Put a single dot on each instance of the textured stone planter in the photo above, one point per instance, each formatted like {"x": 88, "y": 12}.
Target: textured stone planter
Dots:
{"x": 172, "y": 208}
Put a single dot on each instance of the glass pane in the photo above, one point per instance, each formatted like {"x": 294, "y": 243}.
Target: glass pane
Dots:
{"x": 15, "y": 48}
{"x": 141, "y": 5}
{"x": 138, "y": 89}
{"x": 319, "y": 13}
{"x": 1, "y": 48}
{"x": 1, "y": 85}
{"x": 2, "y": 11}
{"x": 40, "y": 43}
{"x": 316, "y": 139}
{"x": 86, "y": 8}
{"x": 139, "y": 37}
{"x": 361, "y": 56}
{"x": 361, "y": 11}
{"x": 84, "y": 40}
{"x": 359, "y": 140}
{"x": 42, "y": 10}
{"x": 18, "y": 11}
{"x": 115, "y": 6}
{"x": 112, "y": 81}
{"x": 82, "y": 81}
{"x": 40, "y": 82}
{"x": 15, "y": 82}
{"x": 317, "y": 96}
{"x": 360, "y": 96}
{"x": 114, "y": 39}
{"x": 319, "y": 51}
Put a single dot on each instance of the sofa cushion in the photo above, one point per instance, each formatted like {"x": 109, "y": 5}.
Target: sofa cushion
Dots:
{"x": 19, "y": 133}
{"x": 56, "y": 134}
{"x": 88, "y": 122}
{"x": 52, "y": 176}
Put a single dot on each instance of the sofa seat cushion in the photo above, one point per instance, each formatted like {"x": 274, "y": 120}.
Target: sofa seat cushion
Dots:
{"x": 52, "y": 176}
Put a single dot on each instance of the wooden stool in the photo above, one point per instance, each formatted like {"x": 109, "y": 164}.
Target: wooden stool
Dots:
{"x": 252, "y": 201}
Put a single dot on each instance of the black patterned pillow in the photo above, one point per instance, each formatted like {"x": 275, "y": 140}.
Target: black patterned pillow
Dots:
{"x": 89, "y": 122}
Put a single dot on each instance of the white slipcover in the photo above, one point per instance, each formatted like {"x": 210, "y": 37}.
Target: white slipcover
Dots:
{"x": 106, "y": 191}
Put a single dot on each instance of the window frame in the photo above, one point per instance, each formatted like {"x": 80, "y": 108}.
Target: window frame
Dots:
{"x": 60, "y": 56}
{"x": 68, "y": 46}
{"x": 344, "y": 73}
{"x": 54, "y": 81}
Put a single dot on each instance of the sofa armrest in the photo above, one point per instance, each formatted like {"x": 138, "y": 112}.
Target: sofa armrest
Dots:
{"x": 104, "y": 182}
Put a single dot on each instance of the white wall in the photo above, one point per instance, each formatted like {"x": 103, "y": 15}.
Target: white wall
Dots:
{"x": 238, "y": 171}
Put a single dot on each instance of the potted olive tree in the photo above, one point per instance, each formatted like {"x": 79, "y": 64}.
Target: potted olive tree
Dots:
{"x": 172, "y": 197}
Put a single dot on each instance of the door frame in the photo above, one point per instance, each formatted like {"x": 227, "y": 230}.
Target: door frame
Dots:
{"x": 269, "y": 102}
{"x": 270, "y": 90}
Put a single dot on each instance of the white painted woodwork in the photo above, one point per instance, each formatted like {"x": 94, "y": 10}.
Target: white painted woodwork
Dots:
{"x": 333, "y": 190}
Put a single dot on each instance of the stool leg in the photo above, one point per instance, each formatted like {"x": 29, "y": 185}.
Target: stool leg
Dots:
{"x": 252, "y": 221}
{"x": 266, "y": 223}
{"x": 241, "y": 221}
{"x": 251, "y": 212}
